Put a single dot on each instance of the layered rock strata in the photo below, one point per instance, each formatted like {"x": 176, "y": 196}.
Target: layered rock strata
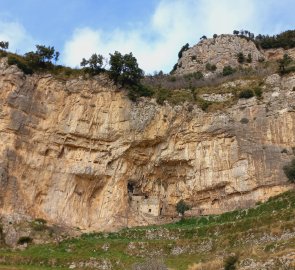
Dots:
{"x": 76, "y": 152}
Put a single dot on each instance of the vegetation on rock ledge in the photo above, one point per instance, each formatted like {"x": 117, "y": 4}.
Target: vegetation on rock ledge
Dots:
{"x": 257, "y": 234}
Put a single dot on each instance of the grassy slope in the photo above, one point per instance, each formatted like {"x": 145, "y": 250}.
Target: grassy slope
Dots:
{"x": 268, "y": 230}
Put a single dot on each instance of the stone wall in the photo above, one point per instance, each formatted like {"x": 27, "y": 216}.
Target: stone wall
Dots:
{"x": 146, "y": 205}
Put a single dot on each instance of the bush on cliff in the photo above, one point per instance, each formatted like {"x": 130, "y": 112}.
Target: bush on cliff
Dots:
{"x": 241, "y": 57}
{"x": 41, "y": 59}
{"x": 124, "y": 71}
{"x": 94, "y": 64}
{"x": 20, "y": 63}
{"x": 258, "y": 92}
{"x": 228, "y": 70}
{"x": 290, "y": 171}
{"x": 183, "y": 49}
{"x": 211, "y": 67}
{"x": 247, "y": 93}
{"x": 284, "y": 40}
{"x": 230, "y": 263}
{"x": 284, "y": 63}
{"x": 182, "y": 207}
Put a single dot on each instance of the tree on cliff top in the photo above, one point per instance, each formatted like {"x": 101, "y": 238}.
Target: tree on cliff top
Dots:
{"x": 42, "y": 57}
{"x": 124, "y": 69}
{"x": 183, "y": 49}
{"x": 94, "y": 64}
{"x": 4, "y": 45}
{"x": 46, "y": 54}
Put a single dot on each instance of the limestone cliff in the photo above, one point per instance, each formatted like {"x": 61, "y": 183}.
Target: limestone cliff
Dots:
{"x": 76, "y": 152}
{"x": 220, "y": 51}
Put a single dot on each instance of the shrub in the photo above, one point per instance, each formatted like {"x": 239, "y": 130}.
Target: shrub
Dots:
{"x": 284, "y": 62}
{"x": 181, "y": 207}
{"x": 258, "y": 92}
{"x": 20, "y": 63}
{"x": 210, "y": 67}
{"x": 249, "y": 58}
{"x": 204, "y": 104}
{"x": 3, "y": 54}
{"x": 139, "y": 90}
{"x": 248, "y": 93}
{"x": 230, "y": 263}
{"x": 24, "y": 240}
{"x": 39, "y": 224}
{"x": 228, "y": 70}
{"x": 33, "y": 61}
{"x": 289, "y": 171}
{"x": 241, "y": 57}
{"x": 198, "y": 75}
{"x": 162, "y": 95}
{"x": 195, "y": 75}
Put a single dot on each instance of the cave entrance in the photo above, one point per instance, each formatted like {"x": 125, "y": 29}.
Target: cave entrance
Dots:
{"x": 130, "y": 187}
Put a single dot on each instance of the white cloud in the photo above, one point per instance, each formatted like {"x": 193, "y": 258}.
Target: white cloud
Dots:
{"x": 174, "y": 23}
{"x": 19, "y": 40}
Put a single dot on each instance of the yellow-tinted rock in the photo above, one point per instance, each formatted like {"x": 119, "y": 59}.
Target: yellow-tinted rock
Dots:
{"x": 68, "y": 150}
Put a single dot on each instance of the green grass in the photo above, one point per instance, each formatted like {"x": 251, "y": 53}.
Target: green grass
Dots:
{"x": 198, "y": 239}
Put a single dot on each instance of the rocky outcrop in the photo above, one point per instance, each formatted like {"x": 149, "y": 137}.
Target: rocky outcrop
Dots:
{"x": 73, "y": 152}
{"x": 276, "y": 54}
{"x": 220, "y": 51}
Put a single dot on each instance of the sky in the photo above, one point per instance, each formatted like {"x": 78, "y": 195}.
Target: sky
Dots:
{"x": 153, "y": 30}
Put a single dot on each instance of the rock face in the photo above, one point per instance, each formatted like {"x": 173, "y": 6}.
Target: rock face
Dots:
{"x": 220, "y": 51}
{"x": 76, "y": 152}
{"x": 275, "y": 54}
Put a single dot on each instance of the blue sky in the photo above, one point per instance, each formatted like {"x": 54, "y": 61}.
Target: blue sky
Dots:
{"x": 154, "y": 30}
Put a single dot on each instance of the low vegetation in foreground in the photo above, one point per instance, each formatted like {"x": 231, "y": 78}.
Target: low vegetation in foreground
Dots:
{"x": 243, "y": 239}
